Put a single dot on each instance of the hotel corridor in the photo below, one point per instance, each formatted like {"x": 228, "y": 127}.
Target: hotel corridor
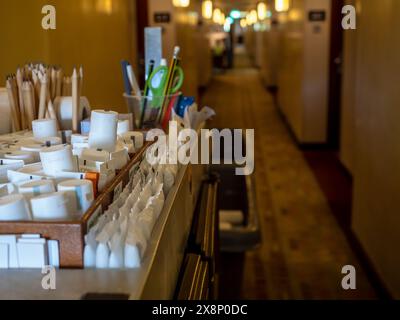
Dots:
{"x": 303, "y": 249}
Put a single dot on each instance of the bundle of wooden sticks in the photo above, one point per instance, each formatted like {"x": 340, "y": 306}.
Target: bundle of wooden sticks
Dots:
{"x": 33, "y": 90}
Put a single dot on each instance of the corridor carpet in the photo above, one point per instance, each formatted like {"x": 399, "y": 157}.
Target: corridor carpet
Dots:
{"x": 303, "y": 249}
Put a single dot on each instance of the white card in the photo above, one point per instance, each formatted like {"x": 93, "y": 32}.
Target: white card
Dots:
{"x": 4, "y": 257}
{"x": 11, "y": 241}
{"x": 32, "y": 255}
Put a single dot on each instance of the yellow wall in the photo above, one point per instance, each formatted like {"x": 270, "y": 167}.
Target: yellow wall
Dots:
{"x": 95, "y": 33}
{"x": 348, "y": 98}
{"x": 303, "y": 78}
{"x": 377, "y": 153}
{"x": 291, "y": 72}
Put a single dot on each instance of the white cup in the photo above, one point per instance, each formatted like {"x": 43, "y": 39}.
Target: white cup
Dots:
{"x": 26, "y": 156}
{"x": 57, "y": 159}
{"x": 34, "y": 149}
{"x": 44, "y": 128}
{"x": 80, "y": 193}
{"x": 14, "y": 208}
{"x": 37, "y": 188}
{"x": 51, "y": 207}
{"x": 103, "y": 130}
{"x": 123, "y": 126}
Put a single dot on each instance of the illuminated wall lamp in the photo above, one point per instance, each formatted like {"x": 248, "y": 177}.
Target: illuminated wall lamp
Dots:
{"x": 207, "y": 9}
{"x": 181, "y": 3}
{"x": 222, "y": 19}
{"x": 217, "y": 15}
{"x": 253, "y": 16}
{"x": 282, "y": 5}
{"x": 262, "y": 11}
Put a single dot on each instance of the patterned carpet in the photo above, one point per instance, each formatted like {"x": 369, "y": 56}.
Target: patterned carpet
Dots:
{"x": 303, "y": 248}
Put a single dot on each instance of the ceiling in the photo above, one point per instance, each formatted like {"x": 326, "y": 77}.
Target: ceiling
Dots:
{"x": 238, "y": 4}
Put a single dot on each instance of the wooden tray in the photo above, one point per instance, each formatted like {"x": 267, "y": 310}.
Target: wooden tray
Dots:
{"x": 70, "y": 234}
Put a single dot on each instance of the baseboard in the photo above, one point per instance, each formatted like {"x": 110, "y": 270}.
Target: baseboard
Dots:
{"x": 373, "y": 276}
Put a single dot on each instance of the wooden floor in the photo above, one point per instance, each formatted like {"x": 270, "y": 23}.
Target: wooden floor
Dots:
{"x": 303, "y": 249}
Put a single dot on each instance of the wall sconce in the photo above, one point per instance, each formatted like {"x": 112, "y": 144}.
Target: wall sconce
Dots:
{"x": 282, "y": 5}
{"x": 181, "y": 3}
{"x": 262, "y": 11}
{"x": 207, "y": 9}
{"x": 253, "y": 16}
{"x": 222, "y": 19}
{"x": 104, "y": 6}
{"x": 217, "y": 15}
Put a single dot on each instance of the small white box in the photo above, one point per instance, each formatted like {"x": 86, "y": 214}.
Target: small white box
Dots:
{"x": 32, "y": 255}
{"x": 54, "y": 253}
{"x": 4, "y": 257}
{"x": 11, "y": 241}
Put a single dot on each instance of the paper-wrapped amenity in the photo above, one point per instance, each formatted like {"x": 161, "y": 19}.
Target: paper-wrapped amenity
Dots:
{"x": 6, "y": 165}
{"x": 34, "y": 149}
{"x": 25, "y": 156}
{"x": 14, "y": 208}
{"x": 51, "y": 207}
{"x": 37, "y": 188}
{"x": 81, "y": 191}
{"x": 103, "y": 130}
{"x": 123, "y": 127}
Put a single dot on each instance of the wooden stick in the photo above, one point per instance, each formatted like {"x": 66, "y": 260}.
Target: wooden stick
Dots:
{"x": 33, "y": 99}
{"x": 13, "y": 109}
{"x": 75, "y": 101}
{"x": 37, "y": 89}
{"x": 67, "y": 87}
{"x": 16, "y": 99}
{"x": 53, "y": 87}
{"x": 19, "y": 80}
{"x": 52, "y": 113}
{"x": 28, "y": 102}
{"x": 59, "y": 83}
{"x": 43, "y": 98}
{"x": 81, "y": 81}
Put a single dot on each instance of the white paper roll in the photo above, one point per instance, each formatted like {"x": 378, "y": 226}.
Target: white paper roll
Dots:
{"x": 14, "y": 208}
{"x": 63, "y": 106}
{"x": 44, "y": 128}
{"x": 36, "y": 188}
{"x": 103, "y": 130}
{"x": 25, "y": 156}
{"x": 51, "y": 207}
{"x": 123, "y": 127}
{"x": 56, "y": 159}
{"x": 81, "y": 191}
